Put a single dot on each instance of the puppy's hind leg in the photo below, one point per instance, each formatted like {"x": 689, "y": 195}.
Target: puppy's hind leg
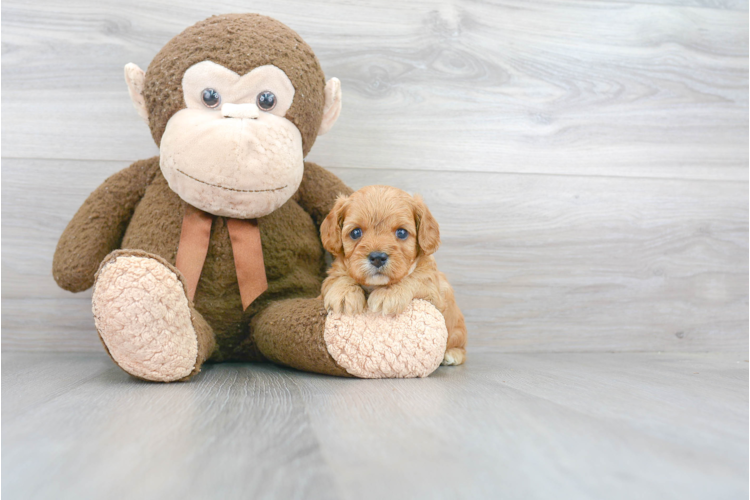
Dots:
{"x": 455, "y": 351}
{"x": 454, "y": 356}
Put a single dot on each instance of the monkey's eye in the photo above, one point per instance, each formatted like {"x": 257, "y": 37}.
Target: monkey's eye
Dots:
{"x": 355, "y": 234}
{"x": 402, "y": 233}
{"x": 211, "y": 98}
{"x": 266, "y": 100}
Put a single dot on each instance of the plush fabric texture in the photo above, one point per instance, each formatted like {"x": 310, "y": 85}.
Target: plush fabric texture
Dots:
{"x": 293, "y": 254}
{"x": 290, "y": 332}
{"x": 237, "y": 90}
{"x": 135, "y": 77}
{"x": 232, "y": 167}
{"x": 239, "y": 42}
{"x": 143, "y": 318}
{"x": 99, "y": 225}
{"x": 332, "y": 108}
{"x": 372, "y": 345}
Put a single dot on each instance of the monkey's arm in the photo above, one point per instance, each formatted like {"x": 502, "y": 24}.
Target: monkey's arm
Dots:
{"x": 318, "y": 191}
{"x": 99, "y": 225}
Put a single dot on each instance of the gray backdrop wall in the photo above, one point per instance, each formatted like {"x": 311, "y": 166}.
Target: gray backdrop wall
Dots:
{"x": 587, "y": 160}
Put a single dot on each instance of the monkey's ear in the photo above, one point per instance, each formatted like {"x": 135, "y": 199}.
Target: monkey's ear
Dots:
{"x": 428, "y": 230}
{"x": 135, "y": 78}
{"x": 330, "y": 229}
{"x": 332, "y": 107}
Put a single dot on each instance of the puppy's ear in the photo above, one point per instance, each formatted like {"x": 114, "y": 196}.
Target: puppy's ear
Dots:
{"x": 428, "y": 230}
{"x": 330, "y": 229}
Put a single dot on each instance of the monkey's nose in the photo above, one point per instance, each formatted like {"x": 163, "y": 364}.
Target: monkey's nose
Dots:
{"x": 247, "y": 110}
{"x": 378, "y": 259}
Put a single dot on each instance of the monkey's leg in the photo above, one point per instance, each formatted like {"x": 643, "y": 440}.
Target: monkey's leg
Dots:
{"x": 301, "y": 334}
{"x": 145, "y": 320}
{"x": 291, "y": 332}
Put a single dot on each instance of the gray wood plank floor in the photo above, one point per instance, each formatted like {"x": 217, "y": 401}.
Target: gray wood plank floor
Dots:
{"x": 564, "y": 425}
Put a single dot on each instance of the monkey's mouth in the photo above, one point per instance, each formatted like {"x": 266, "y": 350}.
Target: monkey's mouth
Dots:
{"x": 231, "y": 189}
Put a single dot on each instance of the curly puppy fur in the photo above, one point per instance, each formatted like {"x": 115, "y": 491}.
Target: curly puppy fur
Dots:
{"x": 379, "y": 267}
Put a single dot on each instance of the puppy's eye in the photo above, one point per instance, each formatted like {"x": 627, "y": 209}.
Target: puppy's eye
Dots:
{"x": 211, "y": 98}
{"x": 355, "y": 234}
{"x": 266, "y": 100}
{"x": 402, "y": 233}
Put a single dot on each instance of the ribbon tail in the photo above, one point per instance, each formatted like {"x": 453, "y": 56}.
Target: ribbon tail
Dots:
{"x": 248, "y": 259}
{"x": 194, "y": 240}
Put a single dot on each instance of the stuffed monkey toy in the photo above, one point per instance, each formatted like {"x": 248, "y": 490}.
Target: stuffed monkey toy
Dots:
{"x": 211, "y": 251}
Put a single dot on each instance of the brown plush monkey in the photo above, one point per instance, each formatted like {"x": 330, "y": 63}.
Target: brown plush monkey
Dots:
{"x": 211, "y": 251}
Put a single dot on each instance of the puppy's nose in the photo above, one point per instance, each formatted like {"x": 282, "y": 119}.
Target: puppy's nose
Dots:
{"x": 378, "y": 259}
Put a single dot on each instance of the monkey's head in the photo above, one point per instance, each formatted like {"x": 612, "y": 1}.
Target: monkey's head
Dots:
{"x": 234, "y": 104}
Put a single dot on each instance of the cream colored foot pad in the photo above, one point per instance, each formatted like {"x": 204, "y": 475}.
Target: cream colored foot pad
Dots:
{"x": 143, "y": 317}
{"x": 371, "y": 345}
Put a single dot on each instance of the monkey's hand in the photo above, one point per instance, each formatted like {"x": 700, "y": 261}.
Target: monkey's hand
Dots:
{"x": 390, "y": 299}
{"x": 343, "y": 295}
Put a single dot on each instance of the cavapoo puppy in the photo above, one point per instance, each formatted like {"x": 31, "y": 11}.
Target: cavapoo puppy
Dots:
{"x": 382, "y": 240}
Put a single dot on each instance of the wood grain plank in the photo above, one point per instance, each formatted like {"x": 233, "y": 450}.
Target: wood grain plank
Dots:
{"x": 568, "y": 426}
{"x": 32, "y": 379}
{"x": 541, "y": 426}
{"x": 550, "y": 263}
{"x": 594, "y": 88}
{"x": 50, "y": 325}
{"x": 222, "y": 436}
{"x": 39, "y": 199}
{"x": 707, "y": 4}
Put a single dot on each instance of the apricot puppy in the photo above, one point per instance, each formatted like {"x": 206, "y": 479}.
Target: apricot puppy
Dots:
{"x": 382, "y": 240}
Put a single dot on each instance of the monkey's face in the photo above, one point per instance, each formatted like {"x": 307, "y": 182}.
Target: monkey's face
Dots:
{"x": 231, "y": 151}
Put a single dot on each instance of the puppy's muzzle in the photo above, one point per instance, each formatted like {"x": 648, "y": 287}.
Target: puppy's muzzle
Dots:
{"x": 378, "y": 259}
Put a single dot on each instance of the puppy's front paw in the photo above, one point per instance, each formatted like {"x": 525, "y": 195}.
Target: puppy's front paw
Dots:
{"x": 388, "y": 301}
{"x": 345, "y": 300}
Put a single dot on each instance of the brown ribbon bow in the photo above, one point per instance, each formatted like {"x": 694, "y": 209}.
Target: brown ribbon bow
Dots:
{"x": 248, "y": 253}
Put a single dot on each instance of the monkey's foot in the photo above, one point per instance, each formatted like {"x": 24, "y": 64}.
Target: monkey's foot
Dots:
{"x": 371, "y": 345}
{"x": 144, "y": 317}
